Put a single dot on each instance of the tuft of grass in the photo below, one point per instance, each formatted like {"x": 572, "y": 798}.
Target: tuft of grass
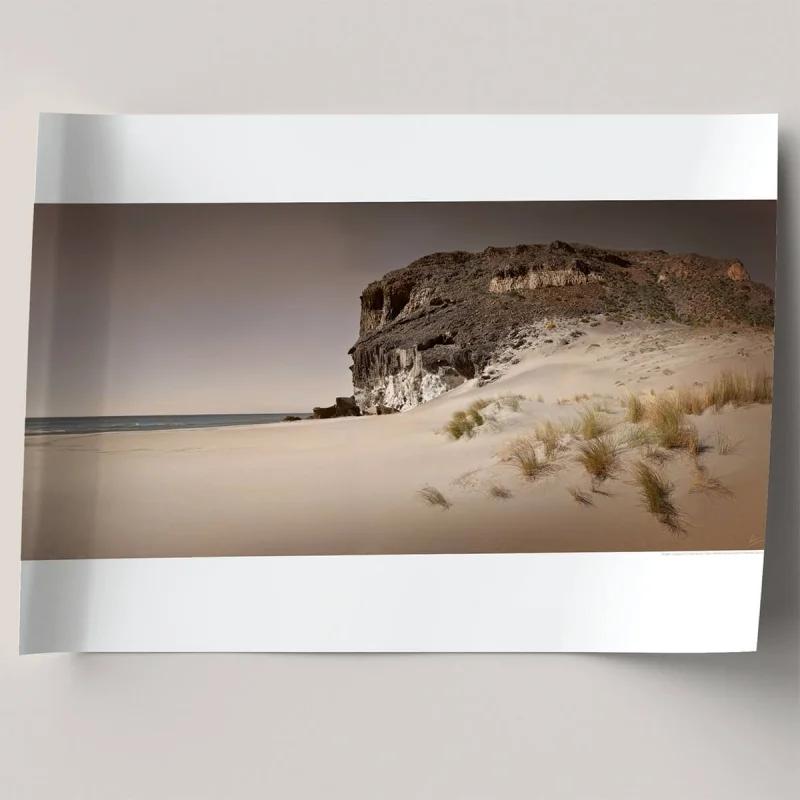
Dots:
{"x": 591, "y": 424}
{"x": 640, "y": 436}
{"x": 703, "y": 482}
{"x": 656, "y": 493}
{"x": 477, "y": 418}
{"x": 724, "y": 444}
{"x": 634, "y": 408}
{"x": 739, "y": 389}
{"x": 480, "y": 404}
{"x": 521, "y": 454}
{"x": 549, "y": 434}
{"x": 600, "y": 458}
{"x": 657, "y": 455}
{"x": 498, "y": 492}
{"x": 580, "y": 497}
{"x": 433, "y": 497}
{"x": 539, "y": 398}
{"x": 579, "y": 398}
{"x": 690, "y": 401}
{"x": 463, "y": 423}
{"x": 550, "y": 326}
{"x": 460, "y": 426}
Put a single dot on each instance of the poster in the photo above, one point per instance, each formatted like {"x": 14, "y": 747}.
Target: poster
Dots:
{"x": 399, "y": 383}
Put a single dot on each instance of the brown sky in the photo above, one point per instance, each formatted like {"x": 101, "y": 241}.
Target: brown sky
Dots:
{"x": 160, "y": 309}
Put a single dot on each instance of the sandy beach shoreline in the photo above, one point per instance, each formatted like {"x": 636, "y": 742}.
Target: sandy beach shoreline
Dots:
{"x": 351, "y": 485}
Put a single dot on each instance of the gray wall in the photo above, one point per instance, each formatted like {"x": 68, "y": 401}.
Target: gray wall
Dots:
{"x": 556, "y": 727}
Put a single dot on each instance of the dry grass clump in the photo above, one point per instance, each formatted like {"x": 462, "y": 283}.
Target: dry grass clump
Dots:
{"x": 498, "y": 492}
{"x": 433, "y": 497}
{"x": 521, "y": 454}
{"x": 672, "y": 432}
{"x": 656, "y": 493}
{"x": 738, "y": 389}
{"x": 703, "y": 482}
{"x": 480, "y": 404}
{"x": 539, "y": 398}
{"x": 591, "y": 424}
{"x": 689, "y": 400}
{"x": 634, "y": 408}
{"x": 639, "y": 436}
{"x": 549, "y": 435}
{"x": 461, "y": 425}
{"x": 580, "y": 497}
{"x": 724, "y": 444}
{"x": 600, "y": 458}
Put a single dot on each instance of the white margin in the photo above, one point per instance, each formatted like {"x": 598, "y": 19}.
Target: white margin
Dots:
{"x": 555, "y": 602}
{"x": 391, "y": 158}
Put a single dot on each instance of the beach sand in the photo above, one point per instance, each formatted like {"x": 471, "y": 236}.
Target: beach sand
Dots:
{"x": 350, "y": 486}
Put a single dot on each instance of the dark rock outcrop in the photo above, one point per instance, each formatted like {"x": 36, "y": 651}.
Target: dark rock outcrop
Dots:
{"x": 291, "y": 418}
{"x": 342, "y": 407}
{"x": 440, "y": 321}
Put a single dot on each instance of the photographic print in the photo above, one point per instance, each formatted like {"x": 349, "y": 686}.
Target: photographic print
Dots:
{"x": 399, "y": 383}
{"x": 233, "y": 380}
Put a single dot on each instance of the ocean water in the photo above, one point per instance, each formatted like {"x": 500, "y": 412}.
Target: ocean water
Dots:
{"x": 40, "y": 426}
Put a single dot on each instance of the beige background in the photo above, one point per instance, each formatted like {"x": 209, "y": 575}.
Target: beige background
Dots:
{"x": 555, "y": 727}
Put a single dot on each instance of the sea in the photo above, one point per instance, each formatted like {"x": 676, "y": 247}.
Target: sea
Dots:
{"x": 47, "y": 426}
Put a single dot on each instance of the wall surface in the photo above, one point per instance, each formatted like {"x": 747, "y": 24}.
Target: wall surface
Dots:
{"x": 556, "y": 727}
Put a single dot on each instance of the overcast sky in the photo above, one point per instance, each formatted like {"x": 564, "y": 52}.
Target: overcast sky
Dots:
{"x": 159, "y": 309}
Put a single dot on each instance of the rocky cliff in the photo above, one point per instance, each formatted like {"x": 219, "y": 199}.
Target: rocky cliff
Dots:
{"x": 439, "y": 321}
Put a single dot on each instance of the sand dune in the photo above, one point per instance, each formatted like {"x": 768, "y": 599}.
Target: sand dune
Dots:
{"x": 351, "y": 485}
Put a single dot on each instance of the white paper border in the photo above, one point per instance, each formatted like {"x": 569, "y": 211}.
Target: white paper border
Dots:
{"x": 391, "y": 158}
{"x": 555, "y": 602}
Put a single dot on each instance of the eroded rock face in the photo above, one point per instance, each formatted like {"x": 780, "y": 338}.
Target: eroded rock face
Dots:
{"x": 438, "y": 322}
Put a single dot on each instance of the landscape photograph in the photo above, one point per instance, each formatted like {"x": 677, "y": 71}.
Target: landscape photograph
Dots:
{"x": 398, "y": 378}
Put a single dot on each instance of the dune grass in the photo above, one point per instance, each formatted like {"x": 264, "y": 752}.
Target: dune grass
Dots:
{"x": 656, "y": 493}
{"x": 664, "y": 416}
{"x": 704, "y": 482}
{"x": 634, "y": 407}
{"x": 738, "y": 389}
{"x": 639, "y": 436}
{"x": 600, "y": 457}
{"x": 580, "y": 497}
{"x": 463, "y": 424}
{"x": 591, "y": 423}
{"x": 433, "y": 497}
{"x": 689, "y": 400}
{"x": 520, "y": 453}
{"x": 725, "y": 446}
{"x": 549, "y": 435}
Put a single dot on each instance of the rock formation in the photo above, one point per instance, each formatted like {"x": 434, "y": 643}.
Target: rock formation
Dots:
{"x": 342, "y": 407}
{"x": 438, "y": 322}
